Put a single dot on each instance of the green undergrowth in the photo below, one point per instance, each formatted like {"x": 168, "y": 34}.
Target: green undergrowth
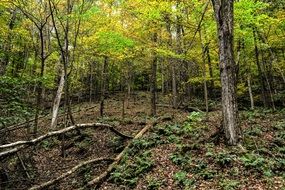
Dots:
{"x": 260, "y": 159}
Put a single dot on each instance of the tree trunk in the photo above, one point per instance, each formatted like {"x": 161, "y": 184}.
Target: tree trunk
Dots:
{"x": 224, "y": 17}
{"x": 211, "y": 87}
{"x": 250, "y": 92}
{"x": 260, "y": 72}
{"x": 174, "y": 85}
{"x": 153, "y": 80}
{"x": 57, "y": 100}
{"x": 203, "y": 48}
{"x": 103, "y": 86}
{"x": 268, "y": 82}
{"x": 91, "y": 83}
{"x": 40, "y": 85}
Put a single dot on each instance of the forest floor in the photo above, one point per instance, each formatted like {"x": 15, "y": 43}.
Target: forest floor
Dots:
{"x": 182, "y": 151}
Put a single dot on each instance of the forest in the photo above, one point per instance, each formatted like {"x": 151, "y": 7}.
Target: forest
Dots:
{"x": 142, "y": 94}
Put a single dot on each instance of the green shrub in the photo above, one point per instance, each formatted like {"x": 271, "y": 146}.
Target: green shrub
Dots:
{"x": 195, "y": 117}
{"x": 182, "y": 179}
{"x": 129, "y": 171}
{"x": 253, "y": 161}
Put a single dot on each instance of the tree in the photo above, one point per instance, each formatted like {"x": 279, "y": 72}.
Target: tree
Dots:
{"x": 224, "y": 10}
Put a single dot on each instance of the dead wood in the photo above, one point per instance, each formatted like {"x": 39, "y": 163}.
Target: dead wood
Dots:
{"x": 99, "y": 179}
{"x": 23, "y": 144}
{"x": 69, "y": 172}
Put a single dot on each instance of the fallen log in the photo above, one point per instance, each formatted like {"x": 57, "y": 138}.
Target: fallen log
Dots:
{"x": 99, "y": 179}
{"x": 69, "y": 172}
{"x": 23, "y": 144}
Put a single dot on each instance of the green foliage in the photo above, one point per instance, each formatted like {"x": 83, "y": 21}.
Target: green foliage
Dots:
{"x": 195, "y": 117}
{"x": 180, "y": 160}
{"x": 49, "y": 143}
{"x": 224, "y": 159}
{"x": 253, "y": 161}
{"x": 113, "y": 43}
{"x": 182, "y": 179}
{"x": 117, "y": 143}
{"x": 84, "y": 144}
{"x": 129, "y": 171}
{"x": 13, "y": 108}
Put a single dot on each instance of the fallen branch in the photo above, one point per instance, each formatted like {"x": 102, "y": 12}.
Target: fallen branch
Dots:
{"x": 68, "y": 173}
{"x": 23, "y": 144}
{"x": 99, "y": 179}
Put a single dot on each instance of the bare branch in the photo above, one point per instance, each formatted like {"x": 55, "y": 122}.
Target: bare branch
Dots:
{"x": 23, "y": 144}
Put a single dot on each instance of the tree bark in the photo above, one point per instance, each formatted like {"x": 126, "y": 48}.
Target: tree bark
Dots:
{"x": 153, "y": 80}
{"x": 260, "y": 72}
{"x": 250, "y": 92}
{"x": 40, "y": 84}
{"x": 224, "y": 17}
{"x": 57, "y": 100}
{"x": 103, "y": 86}
{"x": 203, "y": 48}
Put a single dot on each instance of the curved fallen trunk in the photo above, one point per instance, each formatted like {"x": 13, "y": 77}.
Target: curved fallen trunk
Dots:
{"x": 23, "y": 144}
{"x": 69, "y": 172}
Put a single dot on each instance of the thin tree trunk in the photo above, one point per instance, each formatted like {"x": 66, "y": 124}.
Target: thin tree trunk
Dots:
{"x": 224, "y": 17}
{"x": 162, "y": 79}
{"x": 40, "y": 88}
{"x": 203, "y": 48}
{"x": 250, "y": 92}
{"x": 210, "y": 69}
{"x": 57, "y": 100}
{"x": 90, "y": 83}
{"x": 268, "y": 82}
{"x": 153, "y": 80}
{"x": 174, "y": 85}
{"x": 103, "y": 86}
{"x": 260, "y": 73}
{"x": 128, "y": 85}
